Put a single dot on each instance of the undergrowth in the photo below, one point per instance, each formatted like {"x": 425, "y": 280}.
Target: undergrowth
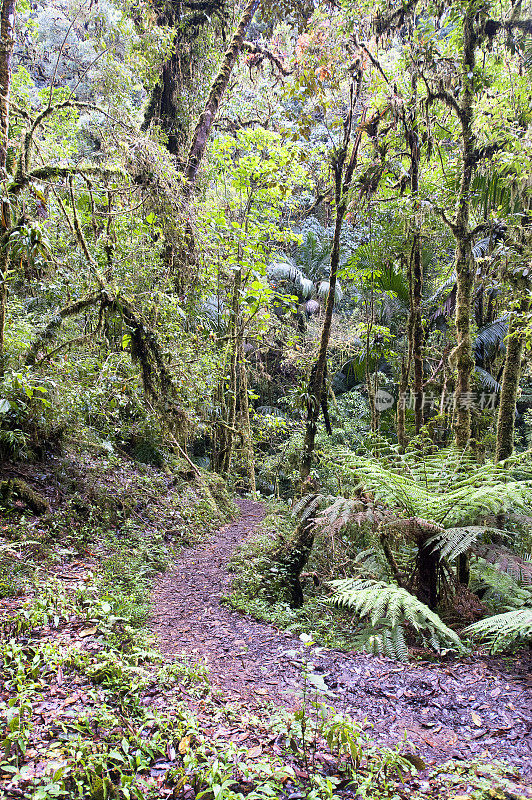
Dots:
{"x": 257, "y": 578}
{"x": 90, "y": 709}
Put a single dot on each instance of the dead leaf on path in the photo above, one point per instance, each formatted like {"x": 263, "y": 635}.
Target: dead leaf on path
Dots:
{"x": 241, "y": 737}
{"x": 261, "y": 691}
{"x": 415, "y": 760}
{"x": 184, "y": 745}
{"x": 476, "y": 719}
{"x": 70, "y": 700}
{"x": 255, "y": 752}
{"x": 88, "y": 632}
{"x": 495, "y": 692}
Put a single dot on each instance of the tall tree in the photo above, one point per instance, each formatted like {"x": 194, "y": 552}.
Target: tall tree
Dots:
{"x": 189, "y": 20}
{"x": 7, "y": 43}
{"x": 343, "y": 165}
{"x": 510, "y": 377}
{"x": 219, "y": 85}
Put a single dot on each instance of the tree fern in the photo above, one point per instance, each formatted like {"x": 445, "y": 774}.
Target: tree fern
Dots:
{"x": 498, "y": 590}
{"x": 448, "y": 487}
{"x": 388, "y": 608}
{"x": 503, "y": 630}
{"x": 452, "y": 542}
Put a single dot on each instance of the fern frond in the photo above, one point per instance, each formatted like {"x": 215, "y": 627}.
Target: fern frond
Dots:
{"x": 452, "y": 542}
{"x": 503, "y": 630}
{"x": 499, "y": 590}
{"x": 448, "y": 487}
{"x": 385, "y": 604}
{"x": 506, "y": 561}
{"x": 307, "y": 505}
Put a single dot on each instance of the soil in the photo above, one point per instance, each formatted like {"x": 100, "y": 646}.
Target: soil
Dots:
{"x": 460, "y": 709}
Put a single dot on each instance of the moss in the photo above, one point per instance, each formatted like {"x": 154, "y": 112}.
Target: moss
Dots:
{"x": 14, "y": 486}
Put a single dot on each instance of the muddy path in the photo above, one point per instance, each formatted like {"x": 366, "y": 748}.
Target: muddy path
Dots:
{"x": 467, "y": 709}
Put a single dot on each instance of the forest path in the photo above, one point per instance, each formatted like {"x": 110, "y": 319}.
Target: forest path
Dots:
{"x": 477, "y": 707}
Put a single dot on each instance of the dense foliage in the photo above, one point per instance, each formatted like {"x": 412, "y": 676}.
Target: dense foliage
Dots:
{"x": 290, "y": 244}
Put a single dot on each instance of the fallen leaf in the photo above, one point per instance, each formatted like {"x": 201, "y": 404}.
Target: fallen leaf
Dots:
{"x": 255, "y": 752}
{"x": 476, "y": 719}
{"x": 261, "y": 691}
{"x": 88, "y": 632}
{"x": 415, "y": 760}
{"x": 184, "y": 745}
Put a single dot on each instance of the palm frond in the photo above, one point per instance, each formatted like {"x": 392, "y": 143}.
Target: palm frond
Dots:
{"x": 443, "y": 289}
{"x": 322, "y": 291}
{"x": 490, "y": 339}
{"x": 480, "y": 249}
{"x": 388, "y": 280}
{"x": 286, "y": 272}
{"x": 486, "y": 380}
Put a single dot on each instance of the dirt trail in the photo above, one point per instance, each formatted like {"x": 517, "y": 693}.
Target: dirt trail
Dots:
{"x": 467, "y": 709}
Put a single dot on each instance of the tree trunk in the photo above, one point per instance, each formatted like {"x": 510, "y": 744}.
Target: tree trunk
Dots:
{"x": 233, "y": 381}
{"x": 342, "y": 184}
{"x": 245, "y": 425}
{"x": 401, "y": 400}
{"x": 176, "y": 81}
{"x": 316, "y": 381}
{"x": 417, "y": 329}
{"x": 7, "y": 43}
{"x": 206, "y": 119}
{"x": 427, "y": 565}
{"x": 510, "y": 382}
{"x": 463, "y": 355}
{"x": 291, "y": 558}
{"x": 416, "y": 267}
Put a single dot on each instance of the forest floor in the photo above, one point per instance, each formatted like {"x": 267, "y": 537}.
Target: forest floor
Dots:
{"x": 478, "y": 708}
{"x": 89, "y": 707}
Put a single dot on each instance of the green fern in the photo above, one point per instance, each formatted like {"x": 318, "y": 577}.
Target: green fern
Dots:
{"x": 388, "y": 608}
{"x": 452, "y": 542}
{"x": 503, "y": 630}
{"x": 448, "y": 487}
{"x": 383, "y": 640}
{"x": 499, "y": 591}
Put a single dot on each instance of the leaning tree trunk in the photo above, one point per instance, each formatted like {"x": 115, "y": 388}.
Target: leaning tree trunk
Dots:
{"x": 7, "y": 43}
{"x": 206, "y": 119}
{"x": 316, "y": 381}
{"x": 343, "y": 176}
{"x": 510, "y": 382}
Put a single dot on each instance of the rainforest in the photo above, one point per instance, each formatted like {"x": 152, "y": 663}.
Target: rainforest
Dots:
{"x": 266, "y": 399}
